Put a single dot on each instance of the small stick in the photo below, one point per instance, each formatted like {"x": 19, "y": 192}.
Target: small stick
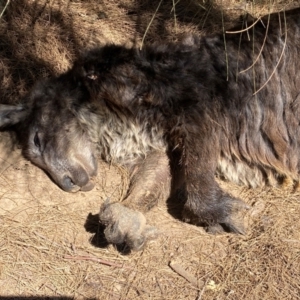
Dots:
{"x": 190, "y": 278}
{"x": 5, "y": 7}
{"x": 202, "y": 291}
{"x": 101, "y": 261}
{"x": 245, "y": 29}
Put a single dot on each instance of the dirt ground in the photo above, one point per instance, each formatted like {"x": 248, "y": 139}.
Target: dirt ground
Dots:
{"x": 51, "y": 245}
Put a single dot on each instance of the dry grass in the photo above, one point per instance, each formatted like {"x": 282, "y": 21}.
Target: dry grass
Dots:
{"x": 50, "y": 242}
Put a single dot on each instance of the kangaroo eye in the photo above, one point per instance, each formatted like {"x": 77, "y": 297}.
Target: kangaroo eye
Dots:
{"x": 36, "y": 141}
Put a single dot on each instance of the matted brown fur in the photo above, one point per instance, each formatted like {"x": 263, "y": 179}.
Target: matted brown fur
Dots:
{"x": 44, "y": 245}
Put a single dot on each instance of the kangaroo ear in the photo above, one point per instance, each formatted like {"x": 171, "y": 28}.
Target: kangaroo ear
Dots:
{"x": 12, "y": 114}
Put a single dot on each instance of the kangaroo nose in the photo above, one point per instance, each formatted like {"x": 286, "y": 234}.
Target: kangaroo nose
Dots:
{"x": 80, "y": 177}
{"x": 77, "y": 181}
{"x": 68, "y": 185}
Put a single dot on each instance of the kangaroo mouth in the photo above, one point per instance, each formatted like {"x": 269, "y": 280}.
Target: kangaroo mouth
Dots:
{"x": 88, "y": 187}
{"x": 69, "y": 186}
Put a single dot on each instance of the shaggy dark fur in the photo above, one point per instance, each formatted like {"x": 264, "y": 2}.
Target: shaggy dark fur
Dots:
{"x": 204, "y": 109}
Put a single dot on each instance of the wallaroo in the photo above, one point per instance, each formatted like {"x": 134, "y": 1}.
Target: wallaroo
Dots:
{"x": 175, "y": 115}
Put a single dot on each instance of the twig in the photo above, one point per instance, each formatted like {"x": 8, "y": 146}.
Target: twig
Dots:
{"x": 157, "y": 8}
{"x": 290, "y": 241}
{"x": 281, "y": 55}
{"x": 225, "y": 46}
{"x": 52, "y": 289}
{"x": 243, "y": 30}
{"x": 190, "y": 278}
{"x": 202, "y": 291}
{"x": 98, "y": 260}
{"x": 160, "y": 287}
{"x": 5, "y": 7}
{"x": 175, "y": 20}
{"x": 261, "y": 49}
